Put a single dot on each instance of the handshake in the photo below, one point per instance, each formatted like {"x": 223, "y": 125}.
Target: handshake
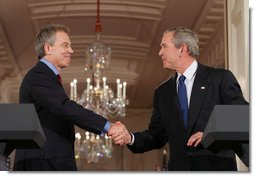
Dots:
{"x": 119, "y": 134}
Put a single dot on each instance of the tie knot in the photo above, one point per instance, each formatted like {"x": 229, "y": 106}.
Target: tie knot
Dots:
{"x": 182, "y": 78}
{"x": 59, "y": 78}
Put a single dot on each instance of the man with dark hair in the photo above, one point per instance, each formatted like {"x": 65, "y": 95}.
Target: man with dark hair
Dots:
{"x": 57, "y": 113}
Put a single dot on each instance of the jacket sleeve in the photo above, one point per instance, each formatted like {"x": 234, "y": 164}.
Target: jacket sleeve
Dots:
{"x": 231, "y": 92}
{"x": 49, "y": 94}
{"x": 152, "y": 138}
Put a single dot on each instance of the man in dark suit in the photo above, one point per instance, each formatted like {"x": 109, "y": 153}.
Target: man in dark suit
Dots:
{"x": 57, "y": 113}
{"x": 180, "y": 120}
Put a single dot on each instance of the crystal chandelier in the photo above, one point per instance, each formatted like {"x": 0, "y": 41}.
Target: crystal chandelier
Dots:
{"x": 98, "y": 97}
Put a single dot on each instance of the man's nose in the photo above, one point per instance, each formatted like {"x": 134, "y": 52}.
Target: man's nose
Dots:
{"x": 160, "y": 53}
{"x": 71, "y": 50}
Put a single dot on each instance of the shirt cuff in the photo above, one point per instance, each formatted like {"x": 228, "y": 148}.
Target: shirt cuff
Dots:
{"x": 132, "y": 139}
{"x": 106, "y": 128}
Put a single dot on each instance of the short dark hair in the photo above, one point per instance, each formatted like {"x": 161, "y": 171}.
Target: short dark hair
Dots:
{"x": 48, "y": 35}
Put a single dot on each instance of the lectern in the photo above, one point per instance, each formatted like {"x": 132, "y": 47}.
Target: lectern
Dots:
{"x": 20, "y": 128}
{"x": 228, "y": 128}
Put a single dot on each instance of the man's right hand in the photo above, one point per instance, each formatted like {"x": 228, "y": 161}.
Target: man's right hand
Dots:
{"x": 119, "y": 133}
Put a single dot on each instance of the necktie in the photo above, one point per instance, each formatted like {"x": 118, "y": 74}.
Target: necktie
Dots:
{"x": 182, "y": 96}
{"x": 59, "y": 78}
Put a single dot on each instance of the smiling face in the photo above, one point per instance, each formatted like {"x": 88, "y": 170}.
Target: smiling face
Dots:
{"x": 169, "y": 54}
{"x": 60, "y": 52}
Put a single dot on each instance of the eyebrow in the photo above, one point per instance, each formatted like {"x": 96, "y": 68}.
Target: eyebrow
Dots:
{"x": 163, "y": 44}
{"x": 67, "y": 43}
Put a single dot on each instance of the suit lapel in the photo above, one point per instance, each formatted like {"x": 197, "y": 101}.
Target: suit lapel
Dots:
{"x": 199, "y": 89}
{"x": 42, "y": 67}
{"x": 169, "y": 93}
{"x": 171, "y": 103}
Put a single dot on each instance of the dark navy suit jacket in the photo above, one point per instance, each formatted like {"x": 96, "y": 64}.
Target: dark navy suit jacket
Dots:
{"x": 211, "y": 87}
{"x": 58, "y": 115}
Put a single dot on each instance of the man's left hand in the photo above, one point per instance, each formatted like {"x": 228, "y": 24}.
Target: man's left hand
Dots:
{"x": 195, "y": 139}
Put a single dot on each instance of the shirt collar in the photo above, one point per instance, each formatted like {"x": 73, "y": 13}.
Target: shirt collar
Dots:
{"x": 50, "y": 65}
{"x": 190, "y": 71}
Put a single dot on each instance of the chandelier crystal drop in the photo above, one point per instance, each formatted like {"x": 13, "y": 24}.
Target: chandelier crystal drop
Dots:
{"x": 98, "y": 97}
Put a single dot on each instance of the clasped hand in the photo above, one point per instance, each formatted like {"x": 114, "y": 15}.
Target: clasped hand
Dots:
{"x": 119, "y": 134}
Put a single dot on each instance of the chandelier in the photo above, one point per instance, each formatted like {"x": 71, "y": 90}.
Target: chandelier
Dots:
{"x": 98, "y": 97}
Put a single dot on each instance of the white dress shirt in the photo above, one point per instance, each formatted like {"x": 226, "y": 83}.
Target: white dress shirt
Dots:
{"x": 190, "y": 74}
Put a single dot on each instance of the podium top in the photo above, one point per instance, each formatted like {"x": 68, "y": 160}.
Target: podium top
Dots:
{"x": 19, "y": 123}
{"x": 227, "y": 123}
{"x": 229, "y": 119}
{"x": 228, "y": 128}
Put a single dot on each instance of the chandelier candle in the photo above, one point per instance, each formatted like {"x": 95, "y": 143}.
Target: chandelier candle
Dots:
{"x": 104, "y": 85}
{"x": 124, "y": 90}
{"x": 88, "y": 87}
{"x": 75, "y": 89}
{"x": 118, "y": 87}
{"x": 71, "y": 90}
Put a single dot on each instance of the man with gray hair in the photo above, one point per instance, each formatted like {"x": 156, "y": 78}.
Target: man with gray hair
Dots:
{"x": 42, "y": 86}
{"x": 182, "y": 106}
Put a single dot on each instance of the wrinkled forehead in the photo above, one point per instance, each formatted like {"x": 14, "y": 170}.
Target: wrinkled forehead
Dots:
{"x": 62, "y": 37}
{"x": 167, "y": 37}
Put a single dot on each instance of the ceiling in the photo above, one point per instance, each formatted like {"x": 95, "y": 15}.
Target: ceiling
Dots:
{"x": 132, "y": 28}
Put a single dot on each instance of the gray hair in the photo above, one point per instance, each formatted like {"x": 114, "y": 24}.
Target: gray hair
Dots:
{"x": 183, "y": 35}
{"x": 48, "y": 35}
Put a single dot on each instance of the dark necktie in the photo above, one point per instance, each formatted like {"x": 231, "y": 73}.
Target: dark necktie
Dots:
{"x": 182, "y": 96}
{"x": 59, "y": 78}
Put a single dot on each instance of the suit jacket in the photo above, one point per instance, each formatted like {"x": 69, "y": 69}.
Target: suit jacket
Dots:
{"x": 57, "y": 114}
{"x": 166, "y": 125}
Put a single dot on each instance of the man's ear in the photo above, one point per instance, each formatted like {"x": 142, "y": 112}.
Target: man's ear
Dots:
{"x": 47, "y": 49}
{"x": 181, "y": 50}
{"x": 184, "y": 47}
